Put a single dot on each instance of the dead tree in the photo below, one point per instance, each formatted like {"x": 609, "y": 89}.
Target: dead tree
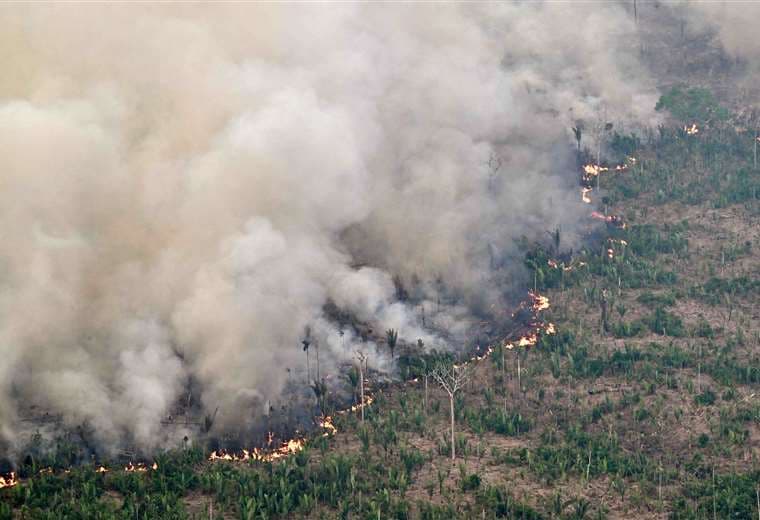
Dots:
{"x": 362, "y": 357}
{"x": 426, "y": 373}
{"x": 451, "y": 380}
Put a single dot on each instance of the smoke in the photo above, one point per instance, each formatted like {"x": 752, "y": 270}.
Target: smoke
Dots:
{"x": 185, "y": 188}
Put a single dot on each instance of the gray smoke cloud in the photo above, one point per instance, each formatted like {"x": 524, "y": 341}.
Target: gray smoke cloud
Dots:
{"x": 184, "y": 188}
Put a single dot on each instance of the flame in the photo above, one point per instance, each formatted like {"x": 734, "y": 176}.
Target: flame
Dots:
{"x": 8, "y": 481}
{"x": 540, "y": 302}
{"x": 556, "y": 265}
{"x": 591, "y": 171}
{"x": 140, "y": 467}
{"x": 691, "y": 130}
{"x": 328, "y": 425}
{"x": 101, "y": 469}
{"x": 610, "y": 219}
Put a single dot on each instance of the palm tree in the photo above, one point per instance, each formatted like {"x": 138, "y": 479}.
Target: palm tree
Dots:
{"x": 391, "y": 336}
{"x": 320, "y": 392}
{"x": 353, "y": 381}
{"x": 306, "y": 342}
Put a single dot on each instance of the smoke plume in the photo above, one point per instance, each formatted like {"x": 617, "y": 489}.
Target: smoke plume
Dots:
{"x": 183, "y": 189}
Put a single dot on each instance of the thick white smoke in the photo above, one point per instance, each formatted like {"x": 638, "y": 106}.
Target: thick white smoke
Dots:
{"x": 183, "y": 189}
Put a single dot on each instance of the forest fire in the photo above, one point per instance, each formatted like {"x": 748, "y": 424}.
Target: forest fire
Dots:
{"x": 328, "y": 426}
{"x": 557, "y": 265}
{"x": 613, "y": 220}
{"x": 8, "y": 481}
{"x": 140, "y": 467}
{"x": 593, "y": 171}
{"x": 540, "y": 302}
{"x": 287, "y": 448}
{"x": 691, "y": 130}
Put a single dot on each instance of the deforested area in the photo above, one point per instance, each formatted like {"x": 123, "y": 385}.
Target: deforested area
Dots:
{"x": 380, "y": 261}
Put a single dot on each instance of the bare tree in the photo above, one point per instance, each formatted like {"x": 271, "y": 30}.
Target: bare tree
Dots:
{"x": 425, "y": 374}
{"x": 452, "y": 380}
{"x": 362, "y": 357}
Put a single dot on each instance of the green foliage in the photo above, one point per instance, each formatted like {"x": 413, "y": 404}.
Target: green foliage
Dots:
{"x": 665, "y": 323}
{"x": 706, "y": 398}
{"x": 691, "y": 105}
{"x": 731, "y": 495}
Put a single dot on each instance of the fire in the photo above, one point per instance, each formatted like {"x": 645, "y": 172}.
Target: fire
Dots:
{"x": 140, "y": 467}
{"x": 8, "y": 481}
{"x": 286, "y": 448}
{"x": 591, "y": 171}
{"x": 355, "y": 408}
{"x": 101, "y": 469}
{"x": 328, "y": 425}
{"x": 540, "y": 302}
{"x": 691, "y": 130}
{"x": 610, "y": 219}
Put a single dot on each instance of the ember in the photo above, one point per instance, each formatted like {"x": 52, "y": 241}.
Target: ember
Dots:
{"x": 613, "y": 220}
{"x": 8, "y": 481}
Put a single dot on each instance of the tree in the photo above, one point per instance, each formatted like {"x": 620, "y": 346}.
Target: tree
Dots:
{"x": 391, "y": 336}
{"x": 451, "y": 380}
{"x": 362, "y": 358}
{"x": 320, "y": 392}
{"x": 578, "y": 131}
{"x": 426, "y": 374}
{"x": 353, "y": 381}
{"x": 306, "y": 342}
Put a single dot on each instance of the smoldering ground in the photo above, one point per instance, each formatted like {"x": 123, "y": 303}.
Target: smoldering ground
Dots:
{"x": 184, "y": 189}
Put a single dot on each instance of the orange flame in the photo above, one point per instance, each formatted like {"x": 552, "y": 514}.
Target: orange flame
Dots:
{"x": 8, "y": 481}
{"x": 328, "y": 425}
{"x": 691, "y": 130}
{"x": 540, "y": 302}
{"x": 610, "y": 219}
{"x": 140, "y": 467}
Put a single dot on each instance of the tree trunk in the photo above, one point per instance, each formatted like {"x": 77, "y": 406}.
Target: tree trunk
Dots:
{"x": 361, "y": 383}
{"x": 426, "y": 394}
{"x": 519, "y": 376}
{"x": 453, "y": 444}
